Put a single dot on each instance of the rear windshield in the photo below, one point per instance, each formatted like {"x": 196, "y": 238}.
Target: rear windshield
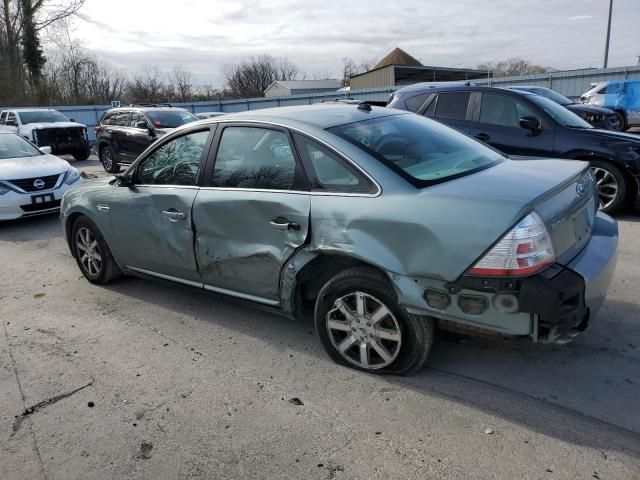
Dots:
{"x": 44, "y": 116}
{"x": 423, "y": 151}
{"x": 171, "y": 119}
{"x": 14, "y": 146}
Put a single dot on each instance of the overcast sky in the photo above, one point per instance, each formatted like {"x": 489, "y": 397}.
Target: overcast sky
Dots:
{"x": 205, "y": 35}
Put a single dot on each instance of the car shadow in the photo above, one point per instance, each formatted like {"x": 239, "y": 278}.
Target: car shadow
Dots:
{"x": 584, "y": 393}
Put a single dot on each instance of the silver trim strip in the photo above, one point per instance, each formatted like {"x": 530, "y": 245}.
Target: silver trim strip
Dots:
{"x": 244, "y": 296}
{"x": 224, "y": 291}
{"x": 166, "y": 277}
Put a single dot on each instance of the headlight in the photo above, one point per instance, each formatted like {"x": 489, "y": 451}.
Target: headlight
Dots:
{"x": 3, "y": 189}
{"x": 73, "y": 175}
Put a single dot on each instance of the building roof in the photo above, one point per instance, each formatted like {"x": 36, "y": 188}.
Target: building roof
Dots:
{"x": 397, "y": 56}
{"x": 308, "y": 84}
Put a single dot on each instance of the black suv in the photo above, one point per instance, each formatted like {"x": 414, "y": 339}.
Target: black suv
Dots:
{"x": 123, "y": 133}
{"x": 525, "y": 124}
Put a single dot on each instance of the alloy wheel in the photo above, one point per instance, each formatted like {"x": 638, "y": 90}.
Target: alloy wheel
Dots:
{"x": 615, "y": 123}
{"x": 607, "y": 187}
{"x": 89, "y": 251}
{"x": 364, "y": 331}
{"x": 107, "y": 159}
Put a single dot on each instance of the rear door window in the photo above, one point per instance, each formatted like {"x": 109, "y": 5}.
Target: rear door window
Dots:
{"x": 452, "y": 105}
{"x": 136, "y": 117}
{"x": 256, "y": 158}
{"x": 413, "y": 104}
{"x": 327, "y": 172}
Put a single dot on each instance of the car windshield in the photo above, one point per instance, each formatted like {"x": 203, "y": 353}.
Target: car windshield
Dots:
{"x": 563, "y": 116}
{"x": 423, "y": 151}
{"x": 552, "y": 95}
{"x": 171, "y": 119}
{"x": 42, "y": 116}
{"x": 14, "y": 146}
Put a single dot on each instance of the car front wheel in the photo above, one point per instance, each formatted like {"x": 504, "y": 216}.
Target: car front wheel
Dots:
{"x": 611, "y": 185}
{"x": 361, "y": 325}
{"x": 81, "y": 155}
{"x": 108, "y": 159}
{"x": 92, "y": 253}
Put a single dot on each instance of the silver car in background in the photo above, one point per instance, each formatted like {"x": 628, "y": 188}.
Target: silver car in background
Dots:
{"x": 379, "y": 224}
{"x": 623, "y": 96}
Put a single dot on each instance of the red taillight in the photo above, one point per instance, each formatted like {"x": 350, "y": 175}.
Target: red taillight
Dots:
{"x": 525, "y": 250}
{"x": 97, "y": 129}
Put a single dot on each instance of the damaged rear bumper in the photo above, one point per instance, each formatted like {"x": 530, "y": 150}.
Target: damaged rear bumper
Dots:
{"x": 551, "y": 307}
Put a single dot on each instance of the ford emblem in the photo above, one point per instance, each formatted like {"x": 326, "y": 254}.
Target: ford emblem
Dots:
{"x": 39, "y": 184}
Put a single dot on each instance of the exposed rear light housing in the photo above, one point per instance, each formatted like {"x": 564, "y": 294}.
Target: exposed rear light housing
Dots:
{"x": 525, "y": 250}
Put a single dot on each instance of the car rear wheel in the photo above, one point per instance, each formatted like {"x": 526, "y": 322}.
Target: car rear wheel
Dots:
{"x": 92, "y": 253}
{"x": 108, "y": 159}
{"x": 361, "y": 325}
{"x": 615, "y": 122}
{"x": 611, "y": 185}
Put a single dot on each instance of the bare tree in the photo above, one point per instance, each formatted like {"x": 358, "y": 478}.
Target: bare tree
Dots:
{"x": 351, "y": 68}
{"x": 21, "y": 22}
{"x": 182, "y": 80}
{"x": 148, "y": 85}
{"x": 251, "y": 78}
{"x": 513, "y": 67}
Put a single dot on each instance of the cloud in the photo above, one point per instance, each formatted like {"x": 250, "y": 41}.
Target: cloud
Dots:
{"x": 204, "y": 36}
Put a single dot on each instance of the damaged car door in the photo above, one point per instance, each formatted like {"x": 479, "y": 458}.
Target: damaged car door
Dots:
{"x": 151, "y": 209}
{"x": 252, "y": 212}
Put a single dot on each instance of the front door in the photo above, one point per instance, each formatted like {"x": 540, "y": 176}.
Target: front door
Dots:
{"x": 252, "y": 212}
{"x": 499, "y": 126}
{"x": 151, "y": 220}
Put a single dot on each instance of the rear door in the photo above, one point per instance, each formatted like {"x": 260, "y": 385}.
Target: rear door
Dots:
{"x": 252, "y": 212}
{"x": 497, "y": 122}
{"x": 152, "y": 220}
{"x": 118, "y": 135}
{"x": 452, "y": 108}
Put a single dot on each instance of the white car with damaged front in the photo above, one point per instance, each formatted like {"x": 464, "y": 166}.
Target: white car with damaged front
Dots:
{"x": 32, "y": 181}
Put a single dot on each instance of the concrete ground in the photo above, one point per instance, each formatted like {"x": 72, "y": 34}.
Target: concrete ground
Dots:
{"x": 149, "y": 380}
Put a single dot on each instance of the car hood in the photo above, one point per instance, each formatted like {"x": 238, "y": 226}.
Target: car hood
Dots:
{"x": 592, "y": 109}
{"x": 31, "y": 167}
{"x": 40, "y": 126}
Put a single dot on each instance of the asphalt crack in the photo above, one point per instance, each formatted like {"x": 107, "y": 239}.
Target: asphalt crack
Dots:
{"x": 45, "y": 403}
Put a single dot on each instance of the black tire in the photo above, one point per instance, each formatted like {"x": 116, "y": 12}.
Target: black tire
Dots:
{"x": 625, "y": 125}
{"x": 617, "y": 126}
{"x": 81, "y": 155}
{"x": 416, "y": 333}
{"x": 600, "y": 170}
{"x": 109, "y": 159}
{"x": 108, "y": 270}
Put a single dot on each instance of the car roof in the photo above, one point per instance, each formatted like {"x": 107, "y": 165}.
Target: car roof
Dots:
{"x": 32, "y": 110}
{"x": 319, "y": 115}
{"x": 145, "y": 109}
{"x": 448, "y": 86}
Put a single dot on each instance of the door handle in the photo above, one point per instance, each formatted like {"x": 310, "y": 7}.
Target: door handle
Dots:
{"x": 281, "y": 223}
{"x": 174, "y": 215}
{"x": 482, "y": 136}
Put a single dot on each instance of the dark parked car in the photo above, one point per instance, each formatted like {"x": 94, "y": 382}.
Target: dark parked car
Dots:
{"x": 599, "y": 117}
{"x": 124, "y": 133}
{"x": 525, "y": 124}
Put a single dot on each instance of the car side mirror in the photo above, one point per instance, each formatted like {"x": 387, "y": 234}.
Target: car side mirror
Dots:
{"x": 124, "y": 180}
{"x": 531, "y": 123}
{"x": 46, "y": 150}
{"x": 142, "y": 125}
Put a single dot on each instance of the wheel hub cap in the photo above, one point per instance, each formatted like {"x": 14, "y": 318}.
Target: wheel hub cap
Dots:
{"x": 88, "y": 251}
{"x": 364, "y": 330}
{"x": 607, "y": 186}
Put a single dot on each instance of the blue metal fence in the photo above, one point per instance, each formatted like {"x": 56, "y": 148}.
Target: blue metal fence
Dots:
{"x": 571, "y": 83}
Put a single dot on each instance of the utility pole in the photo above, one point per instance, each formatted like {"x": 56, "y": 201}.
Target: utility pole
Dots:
{"x": 606, "y": 44}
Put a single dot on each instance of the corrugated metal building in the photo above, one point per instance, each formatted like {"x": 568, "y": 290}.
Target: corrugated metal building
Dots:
{"x": 281, "y": 88}
{"x": 399, "y": 68}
